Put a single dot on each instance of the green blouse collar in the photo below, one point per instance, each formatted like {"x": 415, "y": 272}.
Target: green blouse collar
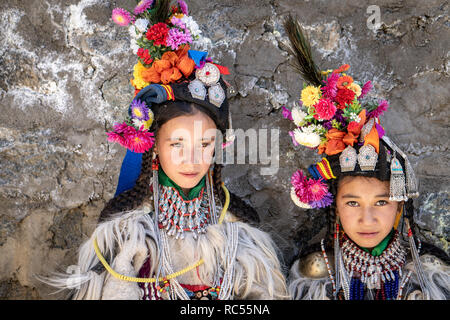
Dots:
{"x": 378, "y": 250}
{"x": 166, "y": 181}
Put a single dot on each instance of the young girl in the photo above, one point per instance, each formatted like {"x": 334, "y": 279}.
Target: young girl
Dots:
{"x": 173, "y": 231}
{"x": 368, "y": 184}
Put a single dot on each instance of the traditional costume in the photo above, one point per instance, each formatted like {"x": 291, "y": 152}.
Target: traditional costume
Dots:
{"x": 172, "y": 245}
{"x": 336, "y": 118}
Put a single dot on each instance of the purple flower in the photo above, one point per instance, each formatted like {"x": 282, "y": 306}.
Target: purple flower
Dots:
{"x": 339, "y": 117}
{"x": 365, "y": 89}
{"x": 142, "y": 6}
{"x": 139, "y": 110}
{"x": 287, "y": 114}
{"x": 330, "y": 89}
{"x": 183, "y": 6}
{"x": 177, "y": 37}
{"x": 324, "y": 202}
{"x": 178, "y": 23}
{"x": 380, "y": 130}
{"x": 327, "y": 125}
{"x": 383, "y": 105}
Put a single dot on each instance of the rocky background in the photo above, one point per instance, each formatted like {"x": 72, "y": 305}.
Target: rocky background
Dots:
{"x": 64, "y": 80}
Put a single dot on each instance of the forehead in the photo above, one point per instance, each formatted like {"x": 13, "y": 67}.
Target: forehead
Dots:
{"x": 362, "y": 186}
{"x": 197, "y": 123}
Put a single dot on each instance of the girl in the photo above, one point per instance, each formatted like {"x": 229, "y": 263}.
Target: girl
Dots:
{"x": 368, "y": 183}
{"x": 173, "y": 231}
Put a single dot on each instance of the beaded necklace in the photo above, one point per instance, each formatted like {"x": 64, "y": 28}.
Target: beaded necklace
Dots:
{"x": 362, "y": 270}
{"x": 177, "y": 215}
{"x": 366, "y": 271}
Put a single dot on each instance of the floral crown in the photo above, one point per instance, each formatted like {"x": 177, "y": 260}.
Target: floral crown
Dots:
{"x": 334, "y": 117}
{"x": 167, "y": 69}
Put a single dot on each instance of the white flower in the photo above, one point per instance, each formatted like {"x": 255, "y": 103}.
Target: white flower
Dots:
{"x": 132, "y": 32}
{"x": 297, "y": 201}
{"x": 192, "y": 26}
{"x": 134, "y": 46}
{"x": 307, "y": 138}
{"x": 354, "y": 117}
{"x": 141, "y": 25}
{"x": 298, "y": 116}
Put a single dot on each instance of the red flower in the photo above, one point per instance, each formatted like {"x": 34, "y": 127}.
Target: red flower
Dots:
{"x": 325, "y": 109}
{"x": 344, "y": 96}
{"x": 158, "y": 33}
{"x": 354, "y": 127}
{"x": 145, "y": 56}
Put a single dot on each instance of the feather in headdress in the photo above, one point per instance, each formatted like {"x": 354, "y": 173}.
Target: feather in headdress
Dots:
{"x": 161, "y": 11}
{"x": 300, "y": 50}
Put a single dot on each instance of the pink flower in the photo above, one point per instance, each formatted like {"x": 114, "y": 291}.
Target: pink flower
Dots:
{"x": 300, "y": 184}
{"x": 330, "y": 89}
{"x": 121, "y": 16}
{"x": 176, "y": 38}
{"x": 365, "y": 89}
{"x": 183, "y": 6}
{"x": 311, "y": 191}
{"x": 140, "y": 141}
{"x": 291, "y": 133}
{"x": 115, "y": 137}
{"x": 142, "y": 6}
{"x": 383, "y": 105}
{"x": 325, "y": 109}
{"x": 317, "y": 189}
{"x": 287, "y": 114}
{"x": 127, "y": 136}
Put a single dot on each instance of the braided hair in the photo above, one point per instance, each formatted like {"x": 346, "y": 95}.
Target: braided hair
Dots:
{"x": 133, "y": 198}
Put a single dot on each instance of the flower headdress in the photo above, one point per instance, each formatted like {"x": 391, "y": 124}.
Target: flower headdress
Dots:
{"x": 333, "y": 118}
{"x": 167, "y": 69}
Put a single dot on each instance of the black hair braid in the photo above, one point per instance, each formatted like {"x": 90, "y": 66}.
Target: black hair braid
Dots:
{"x": 130, "y": 199}
{"x": 237, "y": 206}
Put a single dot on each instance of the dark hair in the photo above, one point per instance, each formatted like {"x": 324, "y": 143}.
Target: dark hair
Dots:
{"x": 134, "y": 197}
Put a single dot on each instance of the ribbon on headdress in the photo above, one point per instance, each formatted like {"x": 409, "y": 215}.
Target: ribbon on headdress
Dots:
{"x": 373, "y": 139}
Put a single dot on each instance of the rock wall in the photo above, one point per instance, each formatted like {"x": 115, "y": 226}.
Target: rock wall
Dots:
{"x": 64, "y": 80}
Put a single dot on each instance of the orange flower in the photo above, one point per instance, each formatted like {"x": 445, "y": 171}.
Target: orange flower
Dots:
{"x": 171, "y": 67}
{"x": 344, "y": 81}
{"x": 335, "y": 147}
{"x": 350, "y": 139}
{"x": 342, "y": 68}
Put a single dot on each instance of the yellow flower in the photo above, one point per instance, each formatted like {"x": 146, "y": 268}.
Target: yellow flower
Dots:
{"x": 147, "y": 124}
{"x": 310, "y": 96}
{"x": 326, "y": 72}
{"x": 138, "y": 82}
{"x": 355, "y": 88}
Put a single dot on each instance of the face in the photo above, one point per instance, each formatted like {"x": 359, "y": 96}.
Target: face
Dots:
{"x": 364, "y": 209}
{"x": 185, "y": 147}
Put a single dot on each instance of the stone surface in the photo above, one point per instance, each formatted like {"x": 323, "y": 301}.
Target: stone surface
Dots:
{"x": 64, "y": 80}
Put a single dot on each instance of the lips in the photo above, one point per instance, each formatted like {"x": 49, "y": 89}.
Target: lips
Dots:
{"x": 189, "y": 174}
{"x": 368, "y": 234}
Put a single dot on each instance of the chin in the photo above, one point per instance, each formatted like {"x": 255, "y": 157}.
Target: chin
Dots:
{"x": 366, "y": 243}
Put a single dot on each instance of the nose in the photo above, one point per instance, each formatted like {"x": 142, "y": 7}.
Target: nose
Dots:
{"x": 367, "y": 216}
{"x": 192, "y": 155}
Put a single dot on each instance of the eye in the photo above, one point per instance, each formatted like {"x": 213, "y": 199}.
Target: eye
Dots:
{"x": 352, "y": 204}
{"x": 206, "y": 144}
{"x": 176, "y": 145}
{"x": 381, "y": 203}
